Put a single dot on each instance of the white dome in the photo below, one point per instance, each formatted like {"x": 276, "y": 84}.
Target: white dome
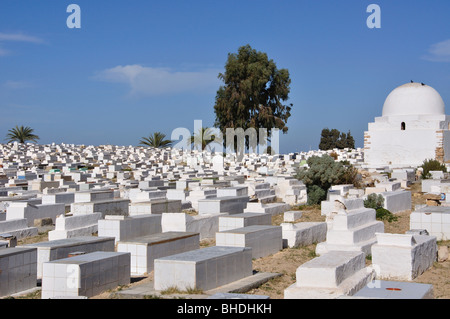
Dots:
{"x": 414, "y": 98}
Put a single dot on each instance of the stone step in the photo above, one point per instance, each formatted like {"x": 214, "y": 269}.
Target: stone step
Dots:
{"x": 303, "y": 233}
{"x": 262, "y": 186}
{"x": 267, "y": 199}
{"x": 348, "y": 287}
{"x": 356, "y": 235}
{"x": 355, "y": 219}
{"x": 264, "y": 192}
{"x": 229, "y": 204}
{"x": 242, "y": 220}
{"x": 269, "y": 208}
{"x": 232, "y": 191}
{"x": 364, "y": 246}
{"x": 329, "y": 270}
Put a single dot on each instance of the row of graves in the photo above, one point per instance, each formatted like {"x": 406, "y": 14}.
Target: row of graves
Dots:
{"x": 117, "y": 212}
{"x": 124, "y": 212}
{"x": 434, "y": 215}
{"x": 352, "y": 233}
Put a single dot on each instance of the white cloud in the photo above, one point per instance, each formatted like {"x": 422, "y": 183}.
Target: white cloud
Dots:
{"x": 16, "y": 37}
{"x": 19, "y": 37}
{"x": 159, "y": 81}
{"x": 439, "y": 52}
{"x": 17, "y": 84}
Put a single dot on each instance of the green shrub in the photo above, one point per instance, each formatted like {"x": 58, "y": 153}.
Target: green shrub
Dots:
{"x": 322, "y": 171}
{"x": 374, "y": 201}
{"x": 431, "y": 165}
{"x": 384, "y": 214}
{"x": 312, "y": 253}
{"x": 316, "y": 194}
{"x": 321, "y": 174}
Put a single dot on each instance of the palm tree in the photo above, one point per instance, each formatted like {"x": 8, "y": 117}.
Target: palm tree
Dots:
{"x": 156, "y": 140}
{"x": 21, "y": 134}
{"x": 204, "y": 137}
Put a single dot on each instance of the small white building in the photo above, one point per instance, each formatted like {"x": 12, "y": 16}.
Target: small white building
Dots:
{"x": 413, "y": 127}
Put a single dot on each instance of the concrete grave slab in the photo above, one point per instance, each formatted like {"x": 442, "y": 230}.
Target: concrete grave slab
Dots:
{"x": 384, "y": 289}
{"x": 17, "y": 270}
{"x": 144, "y": 250}
{"x": 264, "y": 240}
{"x": 204, "y": 268}
{"x": 61, "y": 248}
{"x": 85, "y": 275}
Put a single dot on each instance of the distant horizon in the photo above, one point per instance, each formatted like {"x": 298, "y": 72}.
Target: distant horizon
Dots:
{"x": 162, "y": 148}
{"x": 133, "y": 69}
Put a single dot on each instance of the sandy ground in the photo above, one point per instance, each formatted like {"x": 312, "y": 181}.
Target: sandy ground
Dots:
{"x": 288, "y": 260}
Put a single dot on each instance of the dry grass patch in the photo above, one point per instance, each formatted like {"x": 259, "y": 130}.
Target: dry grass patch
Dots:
{"x": 42, "y": 236}
{"x": 284, "y": 262}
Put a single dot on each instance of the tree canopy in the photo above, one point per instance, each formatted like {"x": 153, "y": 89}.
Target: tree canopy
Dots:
{"x": 333, "y": 138}
{"x": 253, "y": 94}
{"x": 21, "y": 134}
{"x": 157, "y": 140}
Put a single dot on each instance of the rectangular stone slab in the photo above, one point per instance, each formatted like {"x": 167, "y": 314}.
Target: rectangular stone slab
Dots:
{"x": 204, "y": 268}
{"x": 144, "y": 250}
{"x": 395, "y": 290}
{"x": 330, "y": 269}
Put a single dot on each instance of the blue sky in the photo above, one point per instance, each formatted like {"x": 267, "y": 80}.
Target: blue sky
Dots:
{"x": 141, "y": 66}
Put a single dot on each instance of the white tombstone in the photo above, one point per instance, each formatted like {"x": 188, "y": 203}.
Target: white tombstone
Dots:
{"x": 18, "y": 270}
{"x": 435, "y": 219}
{"x": 331, "y": 275}
{"x": 75, "y": 226}
{"x": 303, "y": 233}
{"x": 350, "y": 226}
{"x": 403, "y": 256}
{"x": 204, "y": 268}
{"x": 144, "y": 250}
{"x": 263, "y": 239}
{"x": 85, "y": 275}
{"x": 205, "y": 225}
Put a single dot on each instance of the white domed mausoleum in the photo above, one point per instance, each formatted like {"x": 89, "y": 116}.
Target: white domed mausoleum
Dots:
{"x": 413, "y": 127}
